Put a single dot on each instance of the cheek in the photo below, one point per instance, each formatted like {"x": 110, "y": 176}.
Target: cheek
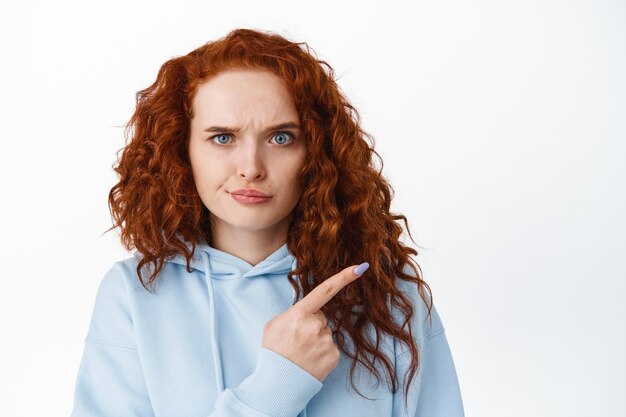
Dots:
{"x": 292, "y": 177}
{"x": 206, "y": 182}
{"x": 290, "y": 168}
{"x": 293, "y": 165}
{"x": 206, "y": 168}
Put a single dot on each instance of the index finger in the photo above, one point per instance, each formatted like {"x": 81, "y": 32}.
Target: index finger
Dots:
{"x": 325, "y": 291}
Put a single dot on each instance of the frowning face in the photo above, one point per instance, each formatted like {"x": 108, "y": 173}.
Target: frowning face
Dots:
{"x": 245, "y": 134}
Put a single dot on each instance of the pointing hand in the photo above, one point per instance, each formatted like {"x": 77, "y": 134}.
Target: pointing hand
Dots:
{"x": 300, "y": 333}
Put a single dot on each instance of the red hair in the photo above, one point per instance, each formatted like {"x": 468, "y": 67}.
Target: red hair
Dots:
{"x": 345, "y": 200}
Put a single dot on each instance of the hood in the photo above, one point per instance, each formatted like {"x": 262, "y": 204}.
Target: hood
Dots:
{"x": 223, "y": 265}
{"x": 217, "y": 264}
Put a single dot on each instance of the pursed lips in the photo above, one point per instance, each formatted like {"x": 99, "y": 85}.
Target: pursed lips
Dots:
{"x": 251, "y": 193}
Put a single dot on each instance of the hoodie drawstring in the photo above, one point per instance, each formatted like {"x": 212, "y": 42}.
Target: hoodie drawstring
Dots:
{"x": 217, "y": 361}
{"x": 294, "y": 264}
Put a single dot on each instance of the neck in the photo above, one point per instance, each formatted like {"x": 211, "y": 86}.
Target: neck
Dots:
{"x": 252, "y": 246}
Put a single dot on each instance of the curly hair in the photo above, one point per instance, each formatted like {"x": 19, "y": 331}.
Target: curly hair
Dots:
{"x": 345, "y": 200}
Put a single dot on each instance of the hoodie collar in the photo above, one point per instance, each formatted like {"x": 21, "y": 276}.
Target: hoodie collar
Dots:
{"x": 227, "y": 266}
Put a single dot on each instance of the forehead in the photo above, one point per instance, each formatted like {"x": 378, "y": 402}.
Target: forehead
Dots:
{"x": 240, "y": 93}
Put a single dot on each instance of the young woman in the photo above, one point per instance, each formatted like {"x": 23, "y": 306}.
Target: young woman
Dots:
{"x": 245, "y": 171}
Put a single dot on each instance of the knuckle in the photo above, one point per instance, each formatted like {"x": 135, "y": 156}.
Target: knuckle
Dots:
{"x": 328, "y": 288}
{"x": 322, "y": 327}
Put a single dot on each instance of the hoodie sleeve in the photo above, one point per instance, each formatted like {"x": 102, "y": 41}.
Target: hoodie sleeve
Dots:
{"x": 111, "y": 383}
{"x": 276, "y": 388}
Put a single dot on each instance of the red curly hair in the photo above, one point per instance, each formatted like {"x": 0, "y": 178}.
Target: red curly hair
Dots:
{"x": 345, "y": 201}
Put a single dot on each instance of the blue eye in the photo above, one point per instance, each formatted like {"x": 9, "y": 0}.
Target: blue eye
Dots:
{"x": 283, "y": 138}
{"x": 285, "y": 134}
{"x": 222, "y": 135}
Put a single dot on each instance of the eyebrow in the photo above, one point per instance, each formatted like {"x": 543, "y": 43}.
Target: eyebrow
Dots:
{"x": 288, "y": 125}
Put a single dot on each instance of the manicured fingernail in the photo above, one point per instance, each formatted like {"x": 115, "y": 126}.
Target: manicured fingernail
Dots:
{"x": 361, "y": 268}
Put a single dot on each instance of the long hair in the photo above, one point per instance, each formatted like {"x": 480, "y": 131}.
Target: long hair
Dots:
{"x": 345, "y": 200}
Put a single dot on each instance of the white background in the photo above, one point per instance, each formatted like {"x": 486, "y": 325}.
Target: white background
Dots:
{"x": 501, "y": 125}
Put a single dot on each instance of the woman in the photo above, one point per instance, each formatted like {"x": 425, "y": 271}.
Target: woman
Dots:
{"x": 247, "y": 169}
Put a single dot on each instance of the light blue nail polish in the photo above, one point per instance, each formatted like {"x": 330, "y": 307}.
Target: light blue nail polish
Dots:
{"x": 361, "y": 268}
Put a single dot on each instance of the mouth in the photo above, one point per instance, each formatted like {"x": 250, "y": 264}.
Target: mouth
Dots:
{"x": 250, "y": 192}
{"x": 251, "y": 199}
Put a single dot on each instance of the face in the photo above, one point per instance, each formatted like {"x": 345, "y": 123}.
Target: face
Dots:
{"x": 236, "y": 143}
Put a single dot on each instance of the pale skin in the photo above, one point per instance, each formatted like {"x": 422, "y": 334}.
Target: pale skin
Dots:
{"x": 248, "y": 152}
{"x": 301, "y": 335}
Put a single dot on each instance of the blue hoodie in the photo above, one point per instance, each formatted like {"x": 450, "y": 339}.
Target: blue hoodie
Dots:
{"x": 193, "y": 349}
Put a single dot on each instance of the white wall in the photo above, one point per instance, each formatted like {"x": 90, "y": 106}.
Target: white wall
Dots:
{"x": 502, "y": 129}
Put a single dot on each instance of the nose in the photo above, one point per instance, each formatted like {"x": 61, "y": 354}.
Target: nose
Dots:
{"x": 251, "y": 165}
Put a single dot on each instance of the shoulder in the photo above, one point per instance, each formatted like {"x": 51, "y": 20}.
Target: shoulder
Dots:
{"x": 122, "y": 302}
{"x": 423, "y": 325}
{"x": 123, "y": 276}
{"x": 119, "y": 280}
{"x": 111, "y": 319}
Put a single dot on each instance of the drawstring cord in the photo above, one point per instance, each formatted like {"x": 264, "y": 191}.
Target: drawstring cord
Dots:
{"x": 217, "y": 362}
